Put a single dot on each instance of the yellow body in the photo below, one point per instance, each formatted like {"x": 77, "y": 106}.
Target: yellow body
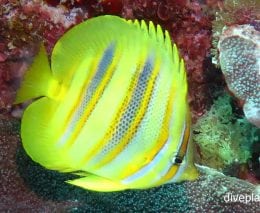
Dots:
{"x": 111, "y": 107}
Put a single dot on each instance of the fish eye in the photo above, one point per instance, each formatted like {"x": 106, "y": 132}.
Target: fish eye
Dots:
{"x": 177, "y": 160}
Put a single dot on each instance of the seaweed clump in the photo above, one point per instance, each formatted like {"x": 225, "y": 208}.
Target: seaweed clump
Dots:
{"x": 223, "y": 139}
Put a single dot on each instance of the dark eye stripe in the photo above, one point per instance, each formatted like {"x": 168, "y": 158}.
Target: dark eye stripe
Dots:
{"x": 181, "y": 151}
{"x": 184, "y": 140}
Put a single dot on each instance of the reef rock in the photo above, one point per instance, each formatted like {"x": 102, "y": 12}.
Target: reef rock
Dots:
{"x": 239, "y": 55}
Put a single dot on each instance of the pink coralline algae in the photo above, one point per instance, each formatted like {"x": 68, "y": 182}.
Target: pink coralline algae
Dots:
{"x": 239, "y": 55}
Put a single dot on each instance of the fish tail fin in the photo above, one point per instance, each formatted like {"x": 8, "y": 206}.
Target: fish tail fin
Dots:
{"x": 37, "y": 79}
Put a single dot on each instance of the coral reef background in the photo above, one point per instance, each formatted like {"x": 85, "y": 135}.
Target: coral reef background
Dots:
{"x": 219, "y": 122}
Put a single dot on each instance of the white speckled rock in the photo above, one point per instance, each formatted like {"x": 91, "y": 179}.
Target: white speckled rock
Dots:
{"x": 239, "y": 57}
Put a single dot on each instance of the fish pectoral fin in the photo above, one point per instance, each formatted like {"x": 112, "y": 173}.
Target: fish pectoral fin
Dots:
{"x": 97, "y": 183}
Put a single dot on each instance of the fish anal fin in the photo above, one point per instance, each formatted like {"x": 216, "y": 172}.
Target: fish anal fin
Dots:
{"x": 97, "y": 183}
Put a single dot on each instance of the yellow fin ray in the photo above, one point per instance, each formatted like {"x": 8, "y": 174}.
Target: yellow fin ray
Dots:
{"x": 144, "y": 26}
{"x": 160, "y": 34}
{"x": 152, "y": 31}
{"x": 168, "y": 42}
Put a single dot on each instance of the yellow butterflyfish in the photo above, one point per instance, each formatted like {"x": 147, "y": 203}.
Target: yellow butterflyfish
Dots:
{"x": 111, "y": 107}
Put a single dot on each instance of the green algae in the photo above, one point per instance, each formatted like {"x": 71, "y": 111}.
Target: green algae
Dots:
{"x": 222, "y": 137}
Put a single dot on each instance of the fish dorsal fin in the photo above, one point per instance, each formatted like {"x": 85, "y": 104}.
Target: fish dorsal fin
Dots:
{"x": 159, "y": 33}
{"x": 86, "y": 40}
{"x": 155, "y": 32}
